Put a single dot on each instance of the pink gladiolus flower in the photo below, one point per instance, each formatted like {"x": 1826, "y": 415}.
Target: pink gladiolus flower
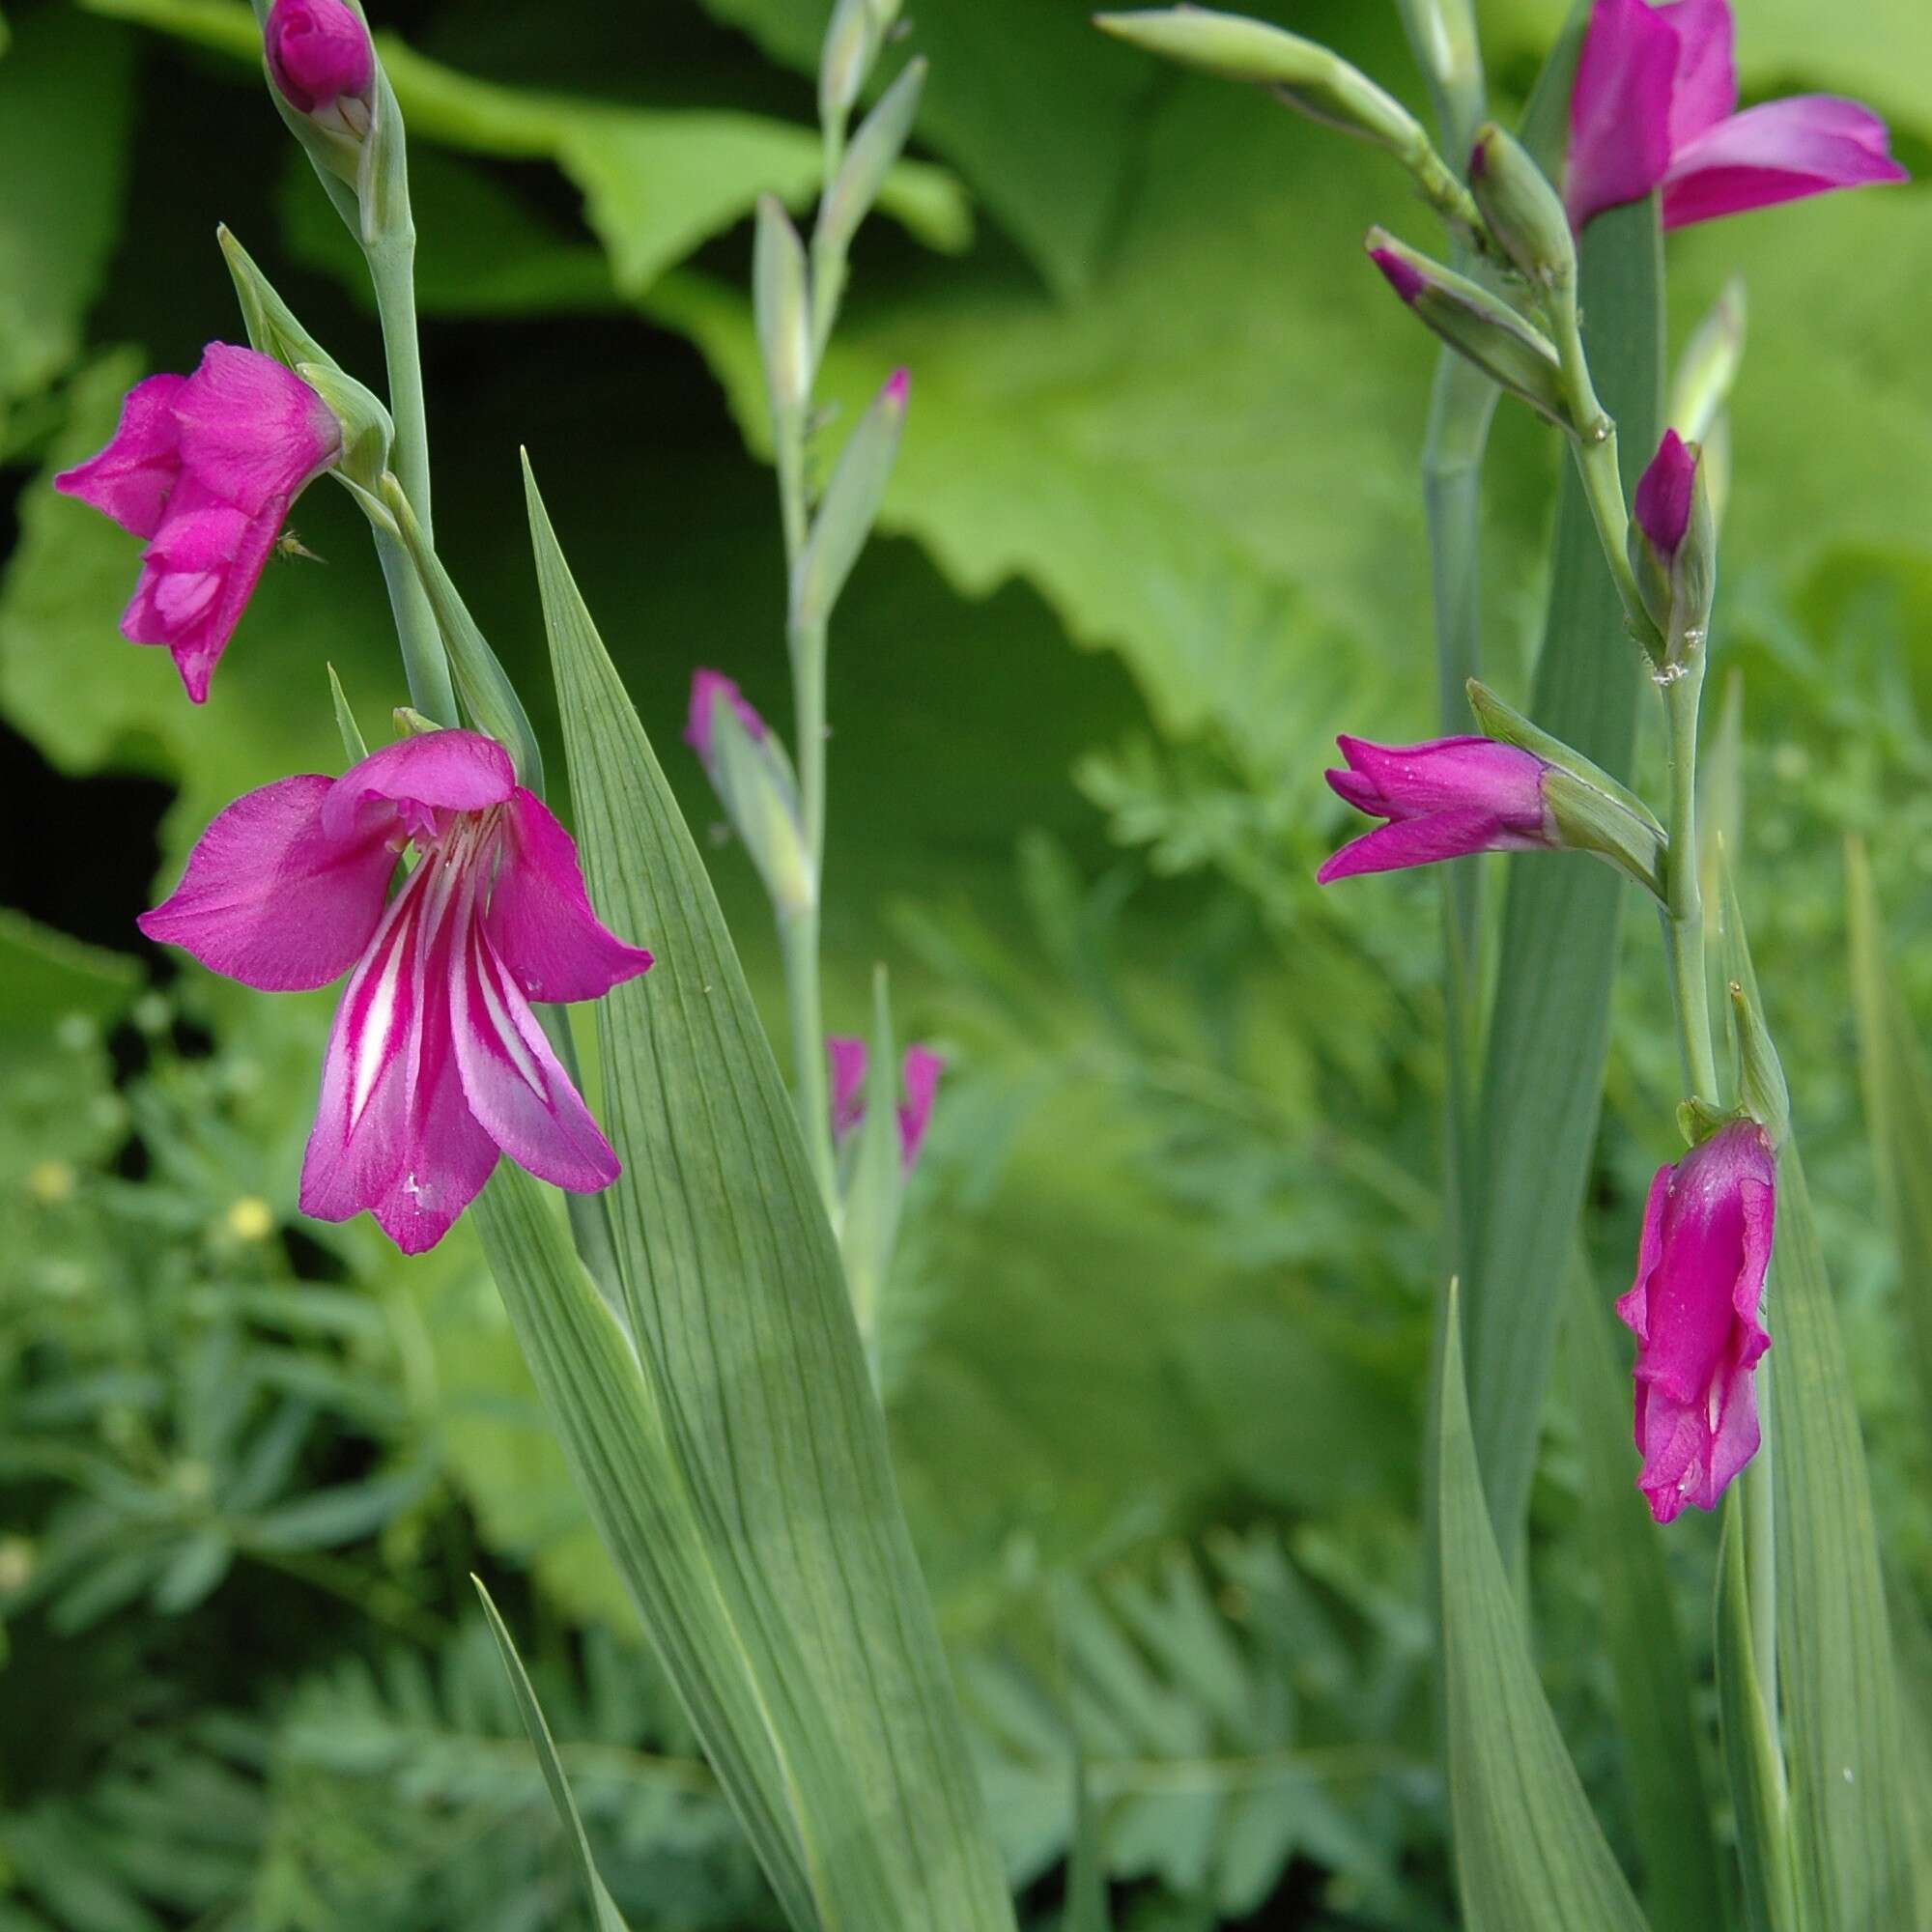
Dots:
{"x": 205, "y": 467}
{"x": 918, "y": 1078}
{"x": 436, "y": 1062}
{"x": 1655, "y": 106}
{"x": 321, "y": 61}
{"x": 1693, "y": 1308}
{"x": 1443, "y": 800}
{"x": 709, "y": 689}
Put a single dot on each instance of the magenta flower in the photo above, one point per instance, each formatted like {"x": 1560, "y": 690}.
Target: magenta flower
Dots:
{"x": 205, "y": 467}
{"x": 918, "y": 1078}
{"x": 436, "y": 1062}
{"x": 1655, "y": 106}
{"x": 1693, "y": 1308}
{"x": 1443, "y": 800}
{"x": 321, "y": 61}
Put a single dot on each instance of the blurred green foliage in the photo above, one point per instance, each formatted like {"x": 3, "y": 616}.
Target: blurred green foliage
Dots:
{"x": 1158, "y": 1348}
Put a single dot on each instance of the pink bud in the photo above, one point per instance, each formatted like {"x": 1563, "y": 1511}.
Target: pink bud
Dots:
{"x": 319, "y": 55}
{"x": 709, "y": 689}
{"x": 1403, "y": 276}
{"x": 1664, "y": 492}
{"x": 899, "y": 389}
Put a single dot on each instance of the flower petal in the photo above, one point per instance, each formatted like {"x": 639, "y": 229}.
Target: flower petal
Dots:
{"x": 920, "y": 1075}
{"x": 393, "y": 1132}
{"x": 539, "y": 918}
{"x": 251, "y": 430}
{"x": 1421, "y": 841}
{"x": 1620, "y": 111}
{"x": 520, "y": 1094}
{"x": 441, "y": 771}
{"x": 131, "y": 478}
{"x": 271, "y": 899}
{"x": 1782, "y": 151}
{"x": 1704, "y": 90}
{"x": 1633, "y": 1306}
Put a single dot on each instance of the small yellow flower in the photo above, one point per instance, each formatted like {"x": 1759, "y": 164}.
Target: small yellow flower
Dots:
{"x": 251, "y": 1219}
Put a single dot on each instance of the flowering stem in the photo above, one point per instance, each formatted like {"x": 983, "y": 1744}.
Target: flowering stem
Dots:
{"x": 1684, "y": 900}
{"x": 392, "y": 270}
{"x": 798, "y": 931}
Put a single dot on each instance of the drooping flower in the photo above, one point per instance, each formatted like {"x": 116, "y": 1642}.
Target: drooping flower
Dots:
{"x": 1655, "y": 106}
{"x": 322, "y": 62}
{"x": 205, "y": 467}
{"x": 1442, "y": 800}
{"x": 918, "y": 1081}
{"x": 1693, "y": 1308}
{"x": 436, "y": 1062}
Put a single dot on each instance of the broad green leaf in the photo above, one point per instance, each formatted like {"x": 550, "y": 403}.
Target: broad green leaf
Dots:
{"x": 1655, "y": 1695}
{"x": 1550, "y": 1031}
{"x": 1033, "y": 106}
{"x": 655, "y": 182}
{"x": 64, "y": 89}
{"x": 1898, "y": 1111}
{"x": 1529, "y": 1855}
{"x": 1758, "y": 1794}
{"x": 1835, "y": 1670}
{"x": 604, "y": 1914}
{"x": 747, "y": 1339}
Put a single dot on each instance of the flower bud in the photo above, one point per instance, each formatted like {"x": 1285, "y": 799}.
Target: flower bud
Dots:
{"x": 851, "y": 45}
{"x": 1523, "y": 211}
{"x": 875, "y": 149}
{"x": 782, "y": 303}
{"x": 322, "y": 62}
{"x": 1673, "y": 544}
{"x": 850, "y": 503}
{"x": 1476, "y": 324}
{"x": 1307, "y": 76}
{"x": 753, "y": 777}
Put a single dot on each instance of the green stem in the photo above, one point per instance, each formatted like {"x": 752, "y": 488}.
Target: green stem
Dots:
{"x": 798, "y": 931}
{"x": 1683, "y": 898}
{"x": 392, "y": 270}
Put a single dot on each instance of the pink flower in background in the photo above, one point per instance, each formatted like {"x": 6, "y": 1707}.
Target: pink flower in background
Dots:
{"x": 918, "y": 1079}
{"x": 436, "y": 1062}
{"x": 205, "y": 467}
{"x": 1655, "y": 106}
{"x": 709, "y": 689}
{"x": 321, "y": 61}
{"x": 1443, "y": 800}
{"x": 1693, "y": 1308}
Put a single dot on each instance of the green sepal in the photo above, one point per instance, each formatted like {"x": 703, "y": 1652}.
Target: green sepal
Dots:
{"x": 271, "y": 325}
{"x": 1586, "y": 819}
{"x": 353, "y": 741}
{"x": 1525, "y": 214}
{"x": 1761, "y": 1087}
{"x": 1697, "y": 1121}
{"x": 1477, "y": 324}
{"x": 367, "y": 431}
{"x": 849, "y": 506}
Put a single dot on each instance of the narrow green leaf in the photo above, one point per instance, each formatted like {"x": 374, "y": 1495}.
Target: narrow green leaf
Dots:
{"x": 1663, "y": 1759}
{"x": 1529, "y": 1855}
{"x": 1834, "y": 1657}
{"x": 1087, "y": 1909}
{"x": 1758, "y": 1795}
{"x": 352, "y": 742}
{"x": 603, "y": 1913}
{"x": 1898, "y": 1112}
{"x": 1549, "y": 1034}
{"x": 746, "y": 1340}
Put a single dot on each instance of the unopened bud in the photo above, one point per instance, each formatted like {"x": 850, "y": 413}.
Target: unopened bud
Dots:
{"x": 753, "y": 777}
{"x": 1525, "y": 214}
{"x": 1305, "y": 74}
{"x": 1673, "y": 545}
{"x": 320, "y": 60}
{"x": 875, "y": 149}
{"x": 851, "y": 45}
{"x": 850, "y": 503}
{"x": 781, "y": 302}
{"x": 1476, "y": 324}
